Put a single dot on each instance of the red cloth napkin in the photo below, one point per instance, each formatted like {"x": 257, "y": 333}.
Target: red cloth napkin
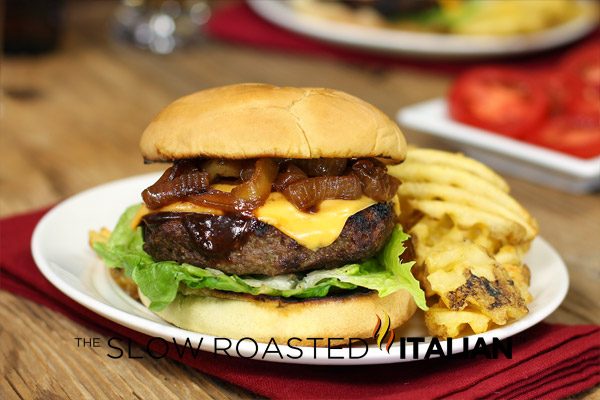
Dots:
{"x": 239, "y": 24}
{"x": 549, "y": 361}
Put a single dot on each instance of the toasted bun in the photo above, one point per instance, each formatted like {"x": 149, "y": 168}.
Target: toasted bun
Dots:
{"x": 257, "y": 120}
{"x": 237, "y": 316}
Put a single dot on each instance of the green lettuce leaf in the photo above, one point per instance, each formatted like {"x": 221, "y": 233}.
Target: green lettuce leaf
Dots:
{"x": 161, "y": 281}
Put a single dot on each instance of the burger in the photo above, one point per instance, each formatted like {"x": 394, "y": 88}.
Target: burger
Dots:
{"x": 275, "y": 219}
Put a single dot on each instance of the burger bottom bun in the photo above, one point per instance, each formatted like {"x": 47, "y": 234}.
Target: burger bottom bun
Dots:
{"x": 236, "y": 316}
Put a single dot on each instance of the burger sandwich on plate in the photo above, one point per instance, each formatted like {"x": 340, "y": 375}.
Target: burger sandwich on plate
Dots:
{"x": 276, "y": 217}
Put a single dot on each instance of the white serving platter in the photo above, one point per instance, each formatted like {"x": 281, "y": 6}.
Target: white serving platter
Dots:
{"x": 513, "y": 157}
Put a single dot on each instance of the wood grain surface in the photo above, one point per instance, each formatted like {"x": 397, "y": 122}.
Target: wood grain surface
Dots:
{"x": 72, "y": 119}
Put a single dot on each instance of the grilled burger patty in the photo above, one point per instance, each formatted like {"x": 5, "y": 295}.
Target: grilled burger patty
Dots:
{"x": 242, "y": 246}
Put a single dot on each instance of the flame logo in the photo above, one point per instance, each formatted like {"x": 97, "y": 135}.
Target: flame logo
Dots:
{"x": 381, "y": 331}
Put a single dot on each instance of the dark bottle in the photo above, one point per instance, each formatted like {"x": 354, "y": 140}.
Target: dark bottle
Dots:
{"x": 30, "y": 26}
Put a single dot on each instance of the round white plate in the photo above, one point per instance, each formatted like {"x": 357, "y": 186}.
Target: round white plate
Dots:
{"x": 424, "y": 44}
{"x": 60, "y": 249}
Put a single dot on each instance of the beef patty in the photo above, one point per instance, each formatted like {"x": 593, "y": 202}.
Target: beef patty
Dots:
{"x": 242, "y": 246}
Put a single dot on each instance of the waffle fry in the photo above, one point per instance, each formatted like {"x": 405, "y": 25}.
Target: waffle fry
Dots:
{"x": 442, "y": 322}
{"x": 469, "y": 237}
{"x": 458, "y": 161}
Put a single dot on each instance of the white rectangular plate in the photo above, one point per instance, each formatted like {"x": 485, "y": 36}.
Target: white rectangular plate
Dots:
{"x": 514, "y": 157}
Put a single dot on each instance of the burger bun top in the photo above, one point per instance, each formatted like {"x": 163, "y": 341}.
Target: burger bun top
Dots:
{"x": 258, "y": 120}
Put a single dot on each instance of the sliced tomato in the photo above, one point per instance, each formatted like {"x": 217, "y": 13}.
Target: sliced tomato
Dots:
{"x": 500, "y": 100}
{"x": 584, "y": 65}
{"x": 581, "y": 70}
{"x": 585, "y": 99}
{"x": 578, "y": 135}
{"x": 560, "y": 93}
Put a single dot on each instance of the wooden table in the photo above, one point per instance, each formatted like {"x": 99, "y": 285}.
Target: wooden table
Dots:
{"x": 72, "y": 120}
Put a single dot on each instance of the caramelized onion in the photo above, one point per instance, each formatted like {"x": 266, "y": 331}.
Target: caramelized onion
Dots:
{"x": 374, "y": 179}
{"x": 244, "y": 197}
{"x": 305, "y": 183}
{"x": 246, "y": 173}
{"x": 217, "y": 199}
{"x": 310, "y": 192}
{"x": 183, "y": 167}
{"x": 152, "y": 194}
{"x": 180, "y": 181}
{"x": 290, "y": 175}
{"x": 256, "y": 189}
{"x": 322, "y": 166}
{"x": 222, "y": 168}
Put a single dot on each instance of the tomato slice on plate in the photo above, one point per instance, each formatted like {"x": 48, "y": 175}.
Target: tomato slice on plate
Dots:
{"x": 560, "y": 94}
{"x": 585, "y": 100}
{"x": 578, "y": 135}
{"x": 581, "y": 71}
{"x": 584, "y": 65}
{"x": 500, "y": 100}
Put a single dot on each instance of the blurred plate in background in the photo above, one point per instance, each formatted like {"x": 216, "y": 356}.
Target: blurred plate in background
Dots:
{"x": 423, "y": 44}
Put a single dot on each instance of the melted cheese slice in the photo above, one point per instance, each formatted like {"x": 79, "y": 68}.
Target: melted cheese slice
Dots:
{"x": 312, "y": 230}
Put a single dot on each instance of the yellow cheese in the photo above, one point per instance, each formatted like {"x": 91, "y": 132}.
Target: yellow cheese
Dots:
{"x": 312, "y": 230}
{"x": 223, "y": 187}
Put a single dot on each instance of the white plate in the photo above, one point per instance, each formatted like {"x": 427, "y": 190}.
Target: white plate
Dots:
{"x": 61, "y": 251}
{"x": 514, "y": 157}
{"x": 418, "y": 43}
